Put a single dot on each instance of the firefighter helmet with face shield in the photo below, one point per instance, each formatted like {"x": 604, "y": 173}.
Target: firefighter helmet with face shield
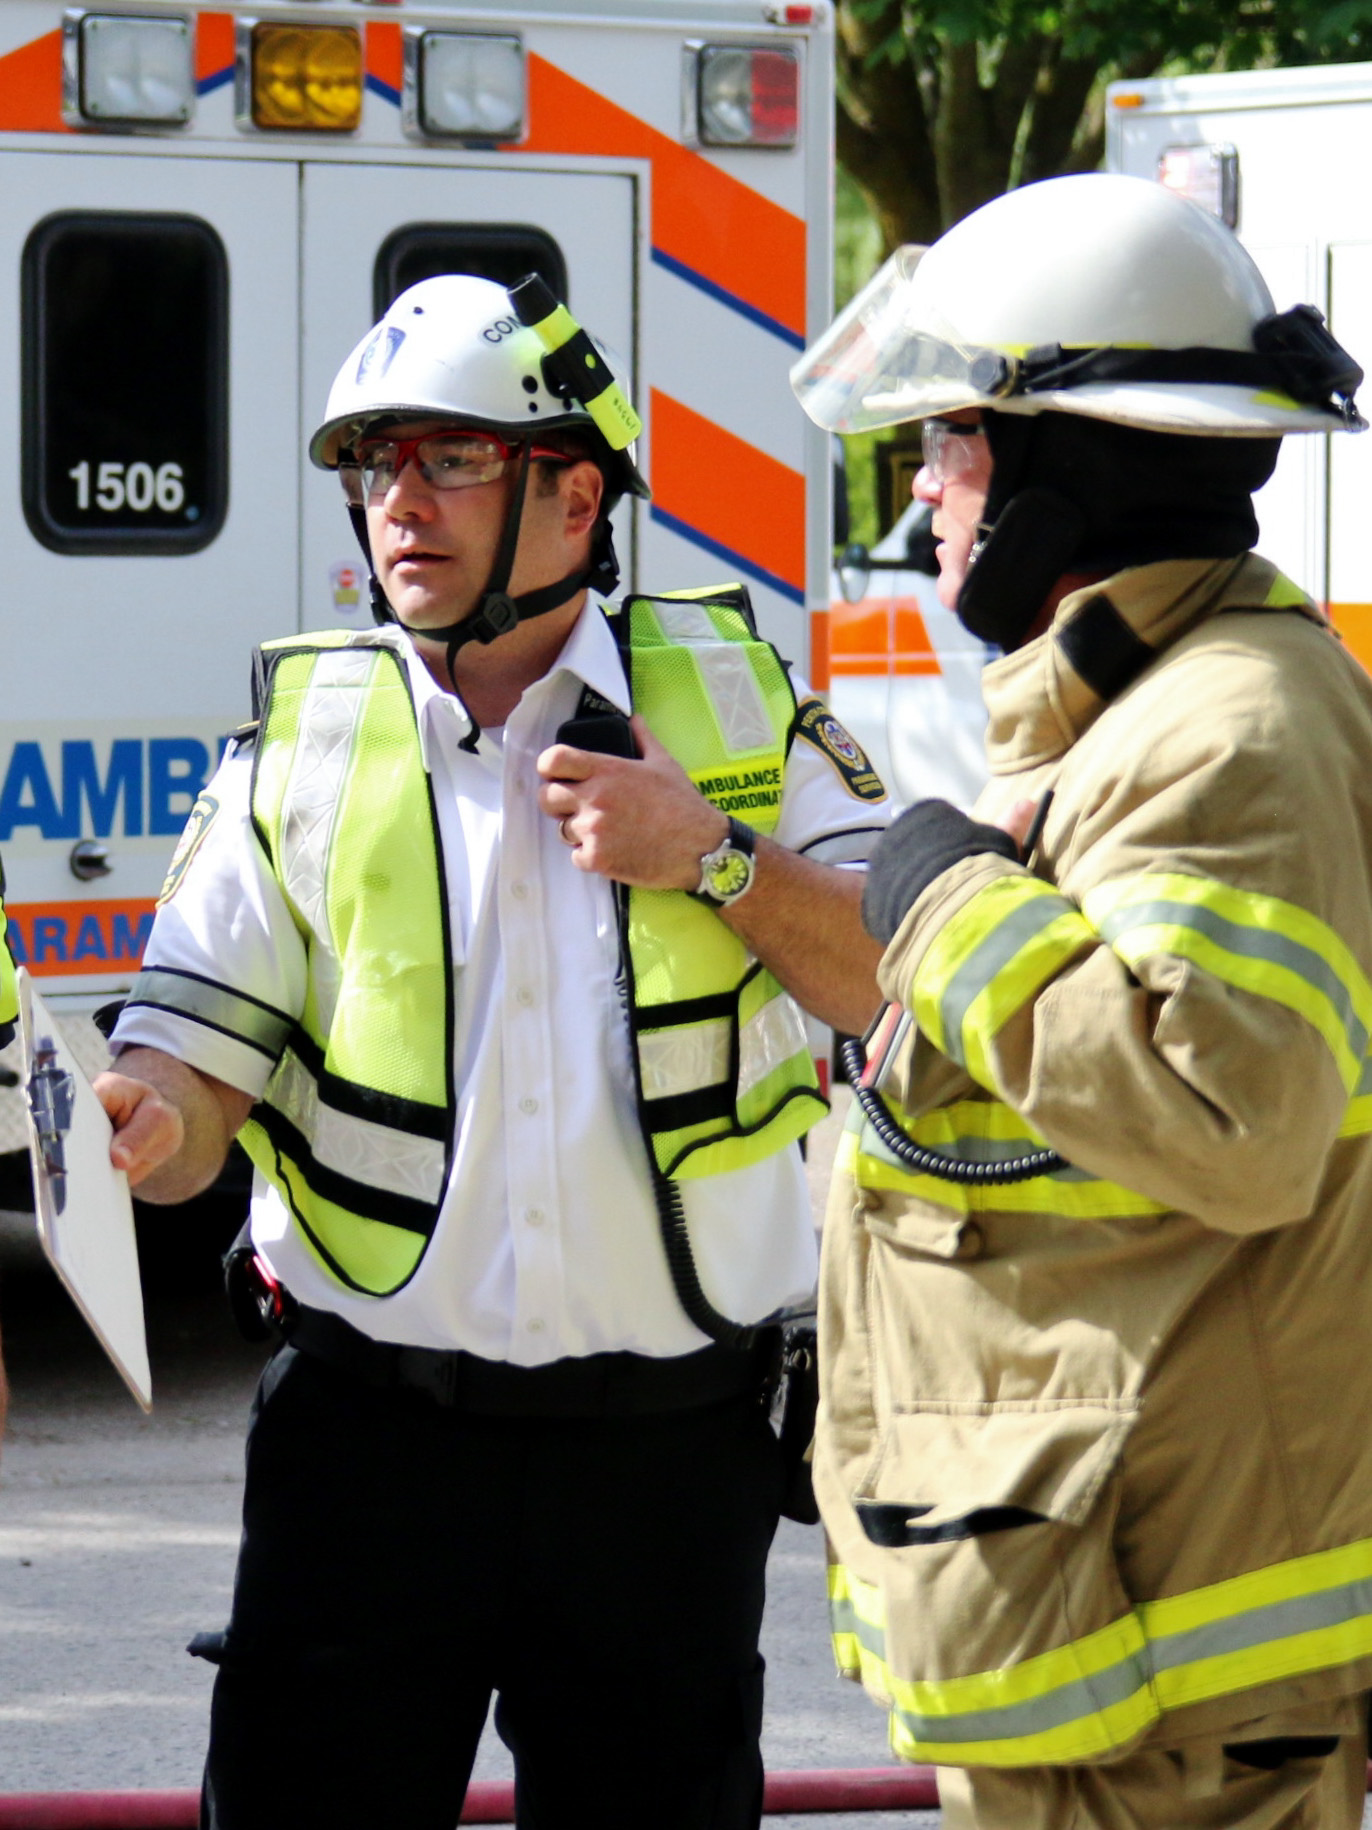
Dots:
{"x": 1099, "y": 295}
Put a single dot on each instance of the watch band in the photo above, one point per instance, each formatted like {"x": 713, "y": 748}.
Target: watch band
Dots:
{"x": 727, "y": 872}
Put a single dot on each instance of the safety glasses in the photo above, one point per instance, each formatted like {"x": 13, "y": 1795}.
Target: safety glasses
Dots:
{"x": 951, "y": 449}
{"x": 445, "y": 460}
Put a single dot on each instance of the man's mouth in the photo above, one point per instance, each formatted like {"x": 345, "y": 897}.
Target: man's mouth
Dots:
{"x": 416, "y": 556}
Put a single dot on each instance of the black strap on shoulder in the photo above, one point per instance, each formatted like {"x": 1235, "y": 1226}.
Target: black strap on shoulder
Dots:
{"x": 1102, "y": 649}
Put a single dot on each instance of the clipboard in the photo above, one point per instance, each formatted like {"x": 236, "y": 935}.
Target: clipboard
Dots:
{"x": 82, "y": 1203}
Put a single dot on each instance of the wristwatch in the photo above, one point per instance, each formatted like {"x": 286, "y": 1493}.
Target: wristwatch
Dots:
{"x": 727, "y": 872}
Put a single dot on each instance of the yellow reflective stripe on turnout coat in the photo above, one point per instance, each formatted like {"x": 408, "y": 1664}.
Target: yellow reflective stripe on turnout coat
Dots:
{"x": 1088, "y": 1450}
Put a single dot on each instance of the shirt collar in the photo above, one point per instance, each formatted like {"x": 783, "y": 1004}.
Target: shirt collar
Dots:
{"x": 590, "y": 655}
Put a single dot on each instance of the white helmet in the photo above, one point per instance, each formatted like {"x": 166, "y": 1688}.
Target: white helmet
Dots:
{"x": 454, "y": 346}
{"x": 1100, "y": 295}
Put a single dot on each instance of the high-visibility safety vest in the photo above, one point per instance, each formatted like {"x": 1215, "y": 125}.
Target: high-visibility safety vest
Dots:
{"x": 355, "y": 1127}
{"x": 9, "y": 988}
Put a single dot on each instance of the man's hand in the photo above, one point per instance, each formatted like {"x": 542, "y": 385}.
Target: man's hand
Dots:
{"x": 172, "y": 1125}
{"x": 147, "y": 1128}
{"x": 642, "y": 822}
{"x": 928, "y": 839}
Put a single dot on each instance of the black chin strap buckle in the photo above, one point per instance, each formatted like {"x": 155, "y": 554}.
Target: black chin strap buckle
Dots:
{"x": 497, "y": 616}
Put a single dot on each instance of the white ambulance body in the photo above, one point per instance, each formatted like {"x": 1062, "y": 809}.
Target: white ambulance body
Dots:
{"x": 1282, "y": 156}
{"x": 201, "y": 211}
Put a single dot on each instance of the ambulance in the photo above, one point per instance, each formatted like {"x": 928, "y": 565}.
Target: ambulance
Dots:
{"x": 1281, "y": 156}
{"x": 203, "y": 207}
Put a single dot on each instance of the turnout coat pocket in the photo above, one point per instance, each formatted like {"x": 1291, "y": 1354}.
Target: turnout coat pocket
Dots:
{"x": 977, "y": 1554}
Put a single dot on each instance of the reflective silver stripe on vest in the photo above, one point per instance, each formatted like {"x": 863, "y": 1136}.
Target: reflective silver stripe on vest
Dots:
{"x": 769, "y": 1039}
{"x": 333, "y": 709}
{"x": 684, "y": 1059}
{"x": 735, "y": 695}
{"x": 358, "y": 1148}
{"x": 242, "y": 1018}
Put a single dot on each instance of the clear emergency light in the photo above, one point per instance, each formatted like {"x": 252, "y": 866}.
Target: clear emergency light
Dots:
{"x": 121, "y": 69}
{"x": 1208, "y": 175}
{"x": 307, "y": 77}
{"x": 470, "y": 85}
{"x": 744, "y": 95}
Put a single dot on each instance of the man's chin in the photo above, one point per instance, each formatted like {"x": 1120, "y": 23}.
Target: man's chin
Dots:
{"x": 427, "y": 619}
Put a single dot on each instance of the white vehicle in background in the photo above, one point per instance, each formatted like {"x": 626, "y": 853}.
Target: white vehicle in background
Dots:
{"x": 202, "y": 205}
{"x": 1281, "y": 156}
{"x": 901, "y": 672}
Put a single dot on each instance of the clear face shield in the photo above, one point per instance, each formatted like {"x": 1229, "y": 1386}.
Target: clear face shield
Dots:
{"x": 890, "y": 356}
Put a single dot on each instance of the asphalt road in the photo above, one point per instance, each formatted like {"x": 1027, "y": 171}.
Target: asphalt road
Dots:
{"x": 118, "y": 1534}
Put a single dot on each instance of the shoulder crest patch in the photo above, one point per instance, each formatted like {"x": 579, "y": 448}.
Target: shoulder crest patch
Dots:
{"x": 201, "y": 819}
{"x": 823, "y": 732}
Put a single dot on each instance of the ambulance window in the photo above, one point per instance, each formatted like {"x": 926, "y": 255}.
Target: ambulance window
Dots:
{"x": 502, "y": 251}
{"x": 125, "y": 383}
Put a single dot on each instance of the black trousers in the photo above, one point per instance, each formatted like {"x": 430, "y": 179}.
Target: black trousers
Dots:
{"x": 400, "y": 1562}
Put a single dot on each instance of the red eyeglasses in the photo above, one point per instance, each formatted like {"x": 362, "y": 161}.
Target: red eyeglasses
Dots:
{"x": 446, "y": 460}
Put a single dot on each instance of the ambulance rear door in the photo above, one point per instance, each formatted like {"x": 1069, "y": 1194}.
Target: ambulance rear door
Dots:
{"x": 153, "y": 332}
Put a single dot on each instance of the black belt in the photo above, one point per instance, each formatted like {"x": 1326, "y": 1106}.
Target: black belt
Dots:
{"x": 598, "y": 1385}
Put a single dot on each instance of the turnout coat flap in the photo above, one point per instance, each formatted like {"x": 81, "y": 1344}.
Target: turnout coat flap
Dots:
{"x": 1090, "y": 1452}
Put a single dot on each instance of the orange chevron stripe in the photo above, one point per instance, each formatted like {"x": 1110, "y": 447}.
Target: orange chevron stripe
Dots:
{"x": 31, "y": 87}
{"x": 214, "y": 44}
{"x": 728, "y": 490}
{"x": 701, "y": 216}
{"x": 385, "y": 53}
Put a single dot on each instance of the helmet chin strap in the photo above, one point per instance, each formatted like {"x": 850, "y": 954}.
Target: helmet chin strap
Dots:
{"x": 496, "y": 612}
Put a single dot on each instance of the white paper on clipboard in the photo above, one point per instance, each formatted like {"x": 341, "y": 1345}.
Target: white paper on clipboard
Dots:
{"x": 85, "y": 1213}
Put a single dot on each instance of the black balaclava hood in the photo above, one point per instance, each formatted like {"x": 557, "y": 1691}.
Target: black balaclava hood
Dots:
{"x": 1072, "y": 494}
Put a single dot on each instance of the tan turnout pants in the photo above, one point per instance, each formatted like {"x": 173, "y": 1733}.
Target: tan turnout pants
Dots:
{"x": 1195, "y": 1786}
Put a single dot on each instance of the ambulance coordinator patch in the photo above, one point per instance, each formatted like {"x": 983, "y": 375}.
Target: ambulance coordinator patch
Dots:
{"x": 819, "y": 727}
{"x": 202, "y": 818}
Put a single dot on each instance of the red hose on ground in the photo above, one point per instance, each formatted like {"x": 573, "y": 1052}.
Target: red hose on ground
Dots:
{"x": 821, "y": 1791}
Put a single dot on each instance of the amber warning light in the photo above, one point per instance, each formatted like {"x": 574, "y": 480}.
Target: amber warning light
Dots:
{"x": 307, "y": 77}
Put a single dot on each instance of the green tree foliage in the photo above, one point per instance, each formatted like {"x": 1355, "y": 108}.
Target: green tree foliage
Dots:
{"x": 944, "y": 104}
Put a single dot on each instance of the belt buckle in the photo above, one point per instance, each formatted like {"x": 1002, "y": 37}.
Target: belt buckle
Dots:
{"x": 431, "y": 1371}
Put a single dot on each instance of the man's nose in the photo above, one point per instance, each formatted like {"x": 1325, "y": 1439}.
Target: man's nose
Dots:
{"x": 408, "y": 492}
{"x": 926, "y": 486}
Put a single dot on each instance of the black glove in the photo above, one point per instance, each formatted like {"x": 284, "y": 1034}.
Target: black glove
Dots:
{"x": 928, "y": 839}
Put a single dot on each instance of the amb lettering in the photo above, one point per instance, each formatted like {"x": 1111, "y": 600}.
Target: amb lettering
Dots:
{"x": 146, "y": 788}
{"x": 741, "y": 790}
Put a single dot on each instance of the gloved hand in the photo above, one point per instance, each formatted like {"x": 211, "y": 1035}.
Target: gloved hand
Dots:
{"x": 928, "y": 839}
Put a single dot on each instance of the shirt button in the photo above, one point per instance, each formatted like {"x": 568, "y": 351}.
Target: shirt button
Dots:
{"x": 536, "y": 1326}
{"x": 519, "y": 890}
{"x": 535, "y": 1216}
{"x": 524, "y": 996}
{"x": 971, "y": 1241}
{"x": 528, "y": 1104}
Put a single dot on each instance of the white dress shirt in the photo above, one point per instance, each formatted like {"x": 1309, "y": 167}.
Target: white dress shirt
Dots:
{"x": 547, "y": 1242}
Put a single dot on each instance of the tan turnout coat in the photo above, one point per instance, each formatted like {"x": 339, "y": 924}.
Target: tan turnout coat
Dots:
{"x": 1095, "y": 1450}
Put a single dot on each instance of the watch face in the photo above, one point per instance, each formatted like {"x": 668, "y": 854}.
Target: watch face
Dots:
{"x": 730, "y": 874}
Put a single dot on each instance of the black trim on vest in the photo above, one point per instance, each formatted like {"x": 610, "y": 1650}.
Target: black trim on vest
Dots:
{"x": 693, "y": 1010}
{"x": 393, "y": 1110}
{"x": 674, "y": 1111}
{"x": 391, "y": 1209}
{"x": 1102, "y": 649}
{"x": 892, "y": 1526}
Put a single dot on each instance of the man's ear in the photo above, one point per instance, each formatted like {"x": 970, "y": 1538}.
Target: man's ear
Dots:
{"x": 582, "y": 487}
